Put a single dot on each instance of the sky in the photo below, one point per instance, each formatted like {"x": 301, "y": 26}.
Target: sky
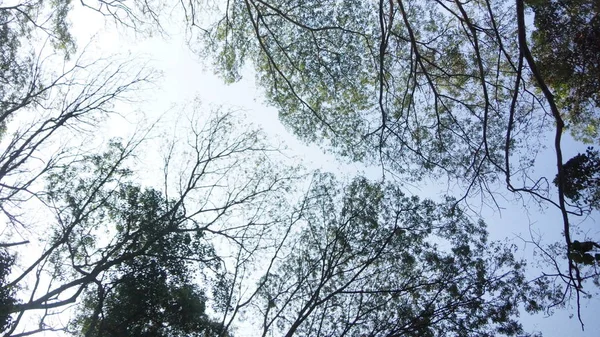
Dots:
{"x": 186, "y": 77}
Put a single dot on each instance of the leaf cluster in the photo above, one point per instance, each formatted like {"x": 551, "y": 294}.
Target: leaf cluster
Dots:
{"x": 372, "y": 261}
{"x": 567, "y": 47}
{"x": 580, "y": 252}
{"x": 581, "y": 178}
{"x": 7, "y": 299}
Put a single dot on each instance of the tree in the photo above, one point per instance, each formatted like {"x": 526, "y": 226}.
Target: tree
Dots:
{"x": 420, "y": 88}
{"x": 443, "y": 89}
{"x": 48, "y": 95}
{"x": 113, "y": 240}
{"x": 41, "y": 106}
{"x": 75, "y": 101}
{"x": 581, "y": 184}
{"x": 21, "y": 25}
{"x": 436, "y": 89}
{"x": 567, "y": 47}
{"x": 371, "y": 261}
{"x": 7, "y": 299}
{"x": 151, "y": 292}
{"x": 581, "y": 179}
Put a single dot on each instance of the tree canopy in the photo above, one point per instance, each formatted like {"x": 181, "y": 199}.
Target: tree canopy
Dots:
{"x": 151, "y": 292}
{"x": 567, "y": 46}
{"x": 228, "y": 232}
{"x": 582, "y": 179}
{"x": 371, "y": 261}
{"x": 7, "y": 299}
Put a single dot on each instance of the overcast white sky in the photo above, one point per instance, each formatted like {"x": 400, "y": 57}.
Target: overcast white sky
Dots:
{"x": 186, "y": 77}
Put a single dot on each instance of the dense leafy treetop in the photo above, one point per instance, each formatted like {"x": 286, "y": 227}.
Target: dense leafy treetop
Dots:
{"x": 152, "y": 293}
{"x": 581, "y": 179}
{"x": 421, "y": 87}
{"x": 371, "y": 261}
{"x": 567, "y": 46}
{"x": 7, "y": 299}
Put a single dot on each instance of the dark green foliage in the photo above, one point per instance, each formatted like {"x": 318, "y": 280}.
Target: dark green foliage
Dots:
{"x": 152, "y": 291}
{"x": 580, "y": 252}
{"x": 145, "y": 283}
{"x": 7, "y": 299}
{"x": 148, "y": 302}
{"x": 581, "y": 179}
{"x": 567, "y": 48}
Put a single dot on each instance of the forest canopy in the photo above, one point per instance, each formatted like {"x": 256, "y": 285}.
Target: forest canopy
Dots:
{"x": 222, "y": 234}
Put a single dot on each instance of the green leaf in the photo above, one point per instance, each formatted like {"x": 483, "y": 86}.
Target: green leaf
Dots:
{"x": 588, "y": 259}
{"x": 576, "y": 257}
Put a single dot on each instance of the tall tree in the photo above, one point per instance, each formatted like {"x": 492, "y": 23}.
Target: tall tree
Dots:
{"x": 567, "y": 47}
{"x": 152, "y": 291}
{"x": 129, "y": 254}
{"x": 371, "y": 261}
{"x": 439, "y": 88}
{"x": 448, "y": 89}
{"x": 22, "y": 25}
{"x": 48, "y": 93}
{"x": 42, "y": 105}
